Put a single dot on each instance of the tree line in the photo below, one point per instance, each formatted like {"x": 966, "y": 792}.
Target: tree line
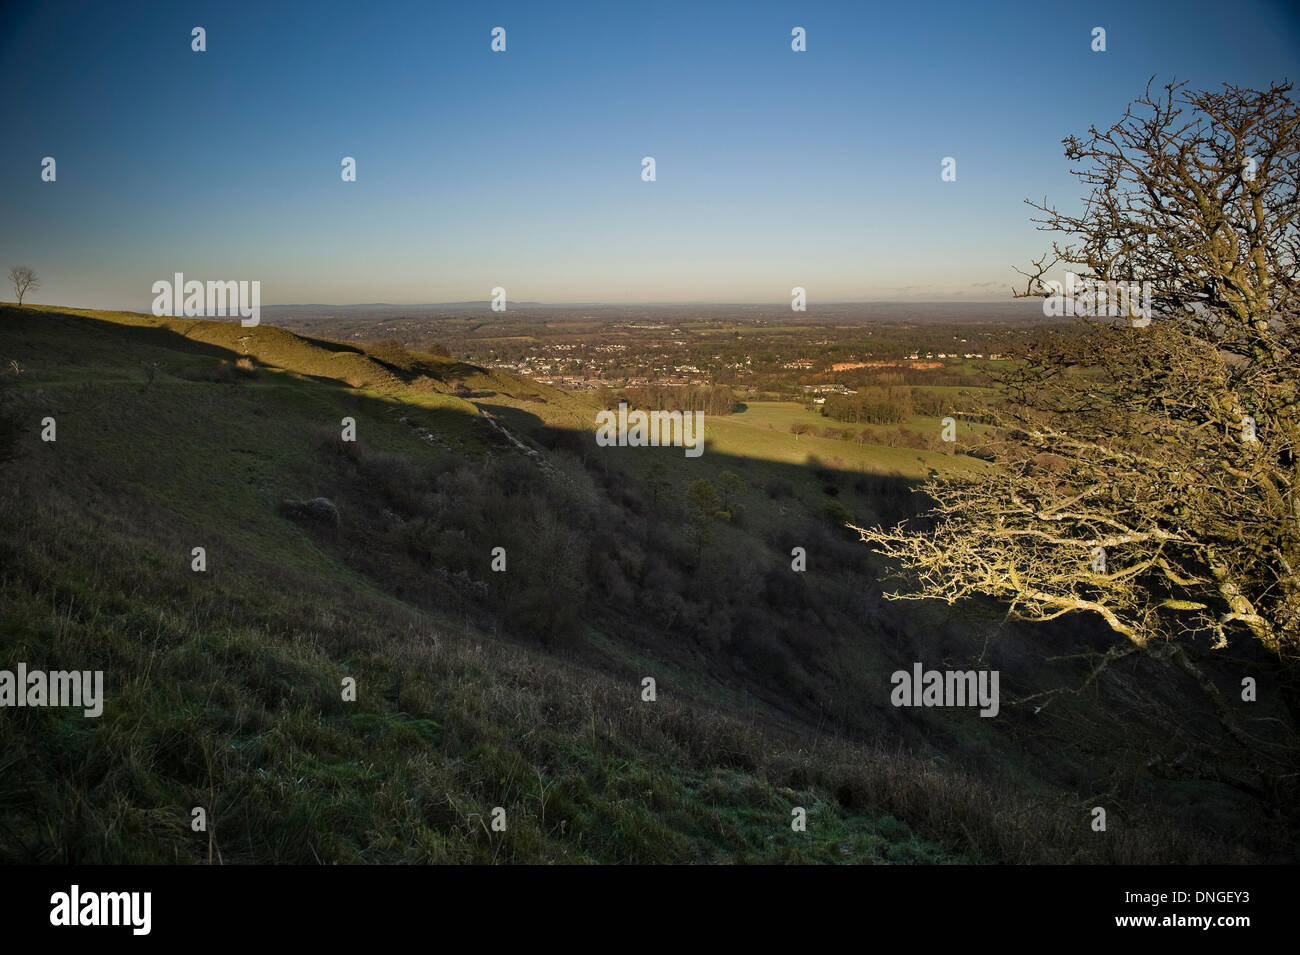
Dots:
{"x": 711, "y": 399}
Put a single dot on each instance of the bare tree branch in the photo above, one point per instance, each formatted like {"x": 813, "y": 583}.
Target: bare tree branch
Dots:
{"x": 24, "y": 280}
{"x": 1148, "y": 475}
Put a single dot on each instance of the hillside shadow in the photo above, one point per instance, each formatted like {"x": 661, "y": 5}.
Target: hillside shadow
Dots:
{"x": 814, "y": 648}
{"x": 94, "y": 330}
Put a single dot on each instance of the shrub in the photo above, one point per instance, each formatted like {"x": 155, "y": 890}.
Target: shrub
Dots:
{"x": 836, "y": 512}
{"x": 779, "y": 489}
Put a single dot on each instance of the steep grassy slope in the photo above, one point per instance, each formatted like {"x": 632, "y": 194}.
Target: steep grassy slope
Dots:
{"x": 474, "y": 690}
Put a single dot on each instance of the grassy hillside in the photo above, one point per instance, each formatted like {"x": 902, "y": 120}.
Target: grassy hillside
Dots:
{"x": 477, "y": 689}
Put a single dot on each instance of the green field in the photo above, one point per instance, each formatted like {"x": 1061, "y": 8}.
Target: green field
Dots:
{"x": 762, "y": 431}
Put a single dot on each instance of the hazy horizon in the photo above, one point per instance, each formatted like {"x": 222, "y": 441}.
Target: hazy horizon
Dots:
{"x": 533, "y": 303}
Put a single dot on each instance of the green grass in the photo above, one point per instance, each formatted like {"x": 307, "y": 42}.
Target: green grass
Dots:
{"x": 762, "y": 431}
{"x": 224, "y": 688}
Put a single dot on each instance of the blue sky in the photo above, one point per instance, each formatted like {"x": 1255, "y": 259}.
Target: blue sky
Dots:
{"x": 522, "y": 169}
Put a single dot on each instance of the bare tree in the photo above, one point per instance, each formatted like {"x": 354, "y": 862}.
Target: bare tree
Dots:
{"x": 24, "y": 280}
{"x": 1150, "y": 475}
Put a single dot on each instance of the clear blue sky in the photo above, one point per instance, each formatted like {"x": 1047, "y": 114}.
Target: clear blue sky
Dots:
{"x": 523, "y": 169}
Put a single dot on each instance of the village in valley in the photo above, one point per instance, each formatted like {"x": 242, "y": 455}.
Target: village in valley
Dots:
{"x": 758, "y": 352}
